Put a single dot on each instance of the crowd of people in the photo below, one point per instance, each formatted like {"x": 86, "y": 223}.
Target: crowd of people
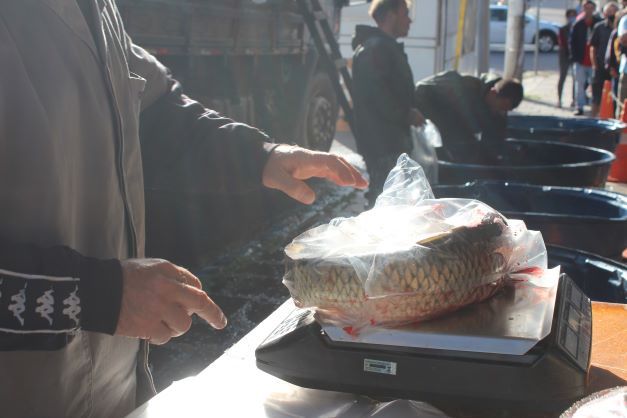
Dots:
{"x": 593, "y": 44}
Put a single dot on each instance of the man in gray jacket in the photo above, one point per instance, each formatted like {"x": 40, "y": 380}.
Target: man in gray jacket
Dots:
{"x": 78, "y": 303}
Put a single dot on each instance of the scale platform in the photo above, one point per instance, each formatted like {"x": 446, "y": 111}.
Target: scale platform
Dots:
{"x": 460, "y": 368}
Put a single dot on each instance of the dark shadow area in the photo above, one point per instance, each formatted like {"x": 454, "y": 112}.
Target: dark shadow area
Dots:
{"x": 600, "y": 379}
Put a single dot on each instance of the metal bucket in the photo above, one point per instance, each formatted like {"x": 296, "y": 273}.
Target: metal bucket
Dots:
{"x": 590, "y": 132}
{"x": 590, "y": 220}
{"x": 534, "y": 162}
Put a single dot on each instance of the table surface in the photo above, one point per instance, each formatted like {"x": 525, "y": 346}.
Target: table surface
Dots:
{"x": 232, "y": 386}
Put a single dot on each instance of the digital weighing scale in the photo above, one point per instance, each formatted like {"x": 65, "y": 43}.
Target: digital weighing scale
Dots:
{"x": 522, "y": 348}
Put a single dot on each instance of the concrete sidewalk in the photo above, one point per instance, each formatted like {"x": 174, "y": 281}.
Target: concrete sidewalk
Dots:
{"x": 541, "y": 95}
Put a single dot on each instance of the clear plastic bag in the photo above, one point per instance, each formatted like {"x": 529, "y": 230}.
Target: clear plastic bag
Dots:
{"x": 425, "y": 139}
{"x": 412, "y": 257}
{"x": 607, "y": 403}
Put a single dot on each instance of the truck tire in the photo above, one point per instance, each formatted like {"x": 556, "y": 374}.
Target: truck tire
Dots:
{"x": 321, "y": 110}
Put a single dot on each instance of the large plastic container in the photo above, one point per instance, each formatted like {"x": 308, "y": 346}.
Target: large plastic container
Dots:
{"x": 591, "y": 132}
{"x": 601, "y": 279}
{"x": 590, "y": 220}
{"x": 534, "y": 162}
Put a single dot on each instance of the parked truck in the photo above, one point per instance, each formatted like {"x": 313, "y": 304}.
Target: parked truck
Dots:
{"x": 254, "y": 61}
{"x": 249, "y": 59}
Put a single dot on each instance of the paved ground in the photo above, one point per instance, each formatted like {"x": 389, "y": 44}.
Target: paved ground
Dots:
{"x": 541, "y": 95}
{"x": 540, "y": 86}
{"x": 552, "y": 10}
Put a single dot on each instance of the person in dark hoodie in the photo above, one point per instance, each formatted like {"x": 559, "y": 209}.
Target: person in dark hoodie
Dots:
{"x": 470, "y": 112}
{"x": 383, "y": 87}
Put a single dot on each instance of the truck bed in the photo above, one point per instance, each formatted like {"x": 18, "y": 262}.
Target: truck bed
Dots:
{"x": 215, "y": 27}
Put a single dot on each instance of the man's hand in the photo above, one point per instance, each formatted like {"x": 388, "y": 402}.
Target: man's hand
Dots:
{"x": 288, "y": 166}
{"x": 158, "y": 299}
{"x": 416, "y": 118}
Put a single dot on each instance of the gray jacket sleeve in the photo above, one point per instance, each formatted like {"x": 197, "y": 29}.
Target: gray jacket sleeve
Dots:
{"x": 55, "y": 290}
{"x": 190, "y": 148}
{"x": 46, "y": 292}
{"x": 148, "y": 67}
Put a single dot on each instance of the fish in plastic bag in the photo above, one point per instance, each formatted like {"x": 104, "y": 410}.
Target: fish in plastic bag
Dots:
{"x": 410, "y": 258}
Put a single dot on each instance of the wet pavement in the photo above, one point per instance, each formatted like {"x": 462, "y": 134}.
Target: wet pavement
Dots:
{"x": 246, "y": 282}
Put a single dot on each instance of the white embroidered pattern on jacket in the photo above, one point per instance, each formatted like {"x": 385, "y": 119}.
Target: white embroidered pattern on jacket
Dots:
{"x": 20, "y": 304}
{"x": 46, "y": 305}
{"x": 73, "y": 308}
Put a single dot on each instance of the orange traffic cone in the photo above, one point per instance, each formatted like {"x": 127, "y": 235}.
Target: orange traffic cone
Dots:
{"x": 618, "y": 170}
{"x": 607, "y": 107}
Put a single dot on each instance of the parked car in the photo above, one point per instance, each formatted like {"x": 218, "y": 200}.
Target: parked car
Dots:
{"x": 547, "y": 38}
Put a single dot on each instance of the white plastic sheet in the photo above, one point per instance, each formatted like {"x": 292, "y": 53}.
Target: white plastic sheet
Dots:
{"x": 425, "y": 140}
{"x": 609, "y": 403}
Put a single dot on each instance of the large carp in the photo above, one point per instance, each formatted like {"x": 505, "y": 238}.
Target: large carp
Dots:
{"x": 437, "y": 275}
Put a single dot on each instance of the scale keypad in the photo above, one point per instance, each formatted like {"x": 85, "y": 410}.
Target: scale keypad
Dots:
{"x": 298, "y": 318}
{"x": 575, "y": 324}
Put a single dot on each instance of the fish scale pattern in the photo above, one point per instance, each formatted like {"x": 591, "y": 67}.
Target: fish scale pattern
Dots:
{"x": 445, "y": 274}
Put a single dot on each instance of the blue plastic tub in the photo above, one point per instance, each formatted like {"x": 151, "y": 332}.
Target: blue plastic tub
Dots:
{"x": 591, "y": 132}
{"x": 534, "y": 162}
{"x": 601, "y": 279}
{"x": 590, "y": 220}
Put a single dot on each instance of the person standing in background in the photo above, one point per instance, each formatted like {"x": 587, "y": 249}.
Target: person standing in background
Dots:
{"x": 612, "y": 57}
{"x": 621, "y": 46}
{"x": 580, "y": 36}
{"x": 383, "y": 91}
{"x": 564, "y": 56}
{"x": 601, "y": 35}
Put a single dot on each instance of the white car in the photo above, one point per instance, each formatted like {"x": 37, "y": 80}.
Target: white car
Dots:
{"x": 498, "y": 29}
